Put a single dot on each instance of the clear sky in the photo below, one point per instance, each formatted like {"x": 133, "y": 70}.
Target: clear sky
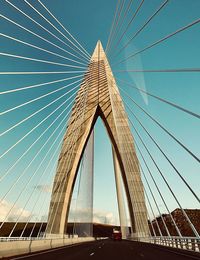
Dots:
{"x": 88, "y": 21}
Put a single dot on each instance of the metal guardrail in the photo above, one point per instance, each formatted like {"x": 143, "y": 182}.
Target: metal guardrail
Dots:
{"x": 187, "y": 243}
{"x": 6, "y": 239}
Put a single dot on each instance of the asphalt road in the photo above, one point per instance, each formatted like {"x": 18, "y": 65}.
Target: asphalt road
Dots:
{"x": 111, "y": 250}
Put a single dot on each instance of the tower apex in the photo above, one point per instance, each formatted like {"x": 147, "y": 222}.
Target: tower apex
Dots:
{"x": 98, "y": 53}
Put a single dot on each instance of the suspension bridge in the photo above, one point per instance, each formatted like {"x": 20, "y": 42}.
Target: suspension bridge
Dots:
{"x": 53, "y": 93}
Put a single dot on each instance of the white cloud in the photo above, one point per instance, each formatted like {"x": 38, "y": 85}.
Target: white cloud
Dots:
{"x": 5, "y": 207}
{"x": 104, "y": 217}
{"x": 84, "y": 215}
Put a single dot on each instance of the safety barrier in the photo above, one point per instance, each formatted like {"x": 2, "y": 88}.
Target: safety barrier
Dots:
{"x": 16, "y": 246}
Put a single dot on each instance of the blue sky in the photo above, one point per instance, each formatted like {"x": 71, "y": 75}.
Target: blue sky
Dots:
{"x": 89, "y": 21}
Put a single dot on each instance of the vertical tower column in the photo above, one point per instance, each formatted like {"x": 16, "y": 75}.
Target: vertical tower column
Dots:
{"x": 120, "y": 199}
{"x": 83, "y": 225}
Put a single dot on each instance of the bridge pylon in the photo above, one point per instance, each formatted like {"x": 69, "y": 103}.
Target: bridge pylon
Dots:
{"x": 98, "y": 97}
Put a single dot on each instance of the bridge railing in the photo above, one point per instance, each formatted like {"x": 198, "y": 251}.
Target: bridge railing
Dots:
{"x": 187, "y": 243}
{"x": 10, "y": 239}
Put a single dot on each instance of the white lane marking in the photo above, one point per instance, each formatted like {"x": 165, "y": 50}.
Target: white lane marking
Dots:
{"x": 45, "y": 252}
{"x": 92, "y": 254}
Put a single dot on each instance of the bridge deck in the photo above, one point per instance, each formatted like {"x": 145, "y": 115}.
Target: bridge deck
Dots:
{"x": 107, "y": 249}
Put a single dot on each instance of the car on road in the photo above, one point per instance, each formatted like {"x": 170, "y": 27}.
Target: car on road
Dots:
{"x": 117, "y": 235}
